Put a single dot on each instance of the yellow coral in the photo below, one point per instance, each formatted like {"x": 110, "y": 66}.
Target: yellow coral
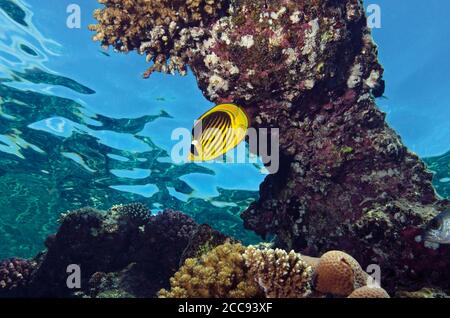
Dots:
{"x": 278, "y": 273}
{"x": 220, "y": 273}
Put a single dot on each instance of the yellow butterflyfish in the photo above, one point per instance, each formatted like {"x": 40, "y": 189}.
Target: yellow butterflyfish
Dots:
{"x": 218, "y": 131}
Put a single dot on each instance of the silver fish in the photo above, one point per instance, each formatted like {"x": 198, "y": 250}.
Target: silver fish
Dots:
{"x": 438, "y": 230}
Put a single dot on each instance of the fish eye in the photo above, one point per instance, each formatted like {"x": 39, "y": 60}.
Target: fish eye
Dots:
{"x": 435, "y": 224}
{"x": 194, "y": 150}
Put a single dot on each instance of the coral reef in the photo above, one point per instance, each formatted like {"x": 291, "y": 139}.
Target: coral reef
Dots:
{"x": 123, "y": 252}
{"x": 278, "y": 273}
{"x": 14, "y": 274}
{"x": 164, "y": 240}
{"x": 369, "y": 292}
{"x": 310, "y": 68}
{"x": 339, "y": 274}
{"x": 232, "y": 270}
{"x": 220, "y": 273}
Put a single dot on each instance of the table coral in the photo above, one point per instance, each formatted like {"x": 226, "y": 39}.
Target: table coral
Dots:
{"x": 280, "y": 274}
{"x": 310, "y": 68}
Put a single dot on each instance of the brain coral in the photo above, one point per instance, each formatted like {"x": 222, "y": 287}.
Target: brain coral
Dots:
{"x": 278, "y": 273}
{"x": 339, "y": 274}
{"x": 163, "y": 30}
{"x": 369, "y": 292}
{"x": 217, "y": 274}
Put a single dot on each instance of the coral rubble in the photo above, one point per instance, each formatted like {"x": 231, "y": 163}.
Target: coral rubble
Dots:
{"x": 309, "y": 68}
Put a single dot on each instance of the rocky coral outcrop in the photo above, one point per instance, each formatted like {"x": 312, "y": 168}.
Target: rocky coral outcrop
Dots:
{"x": 123, "y": 252}
{"x": 309, "y": 68}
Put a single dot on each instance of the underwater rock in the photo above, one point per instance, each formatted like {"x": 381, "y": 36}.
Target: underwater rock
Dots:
{"x": 202, "y": 241}
{"x": 131, "y": 282}
{"x": 123, "y": 252}
{"x": 423, "y": 293}
{"x": 310, "y": 68}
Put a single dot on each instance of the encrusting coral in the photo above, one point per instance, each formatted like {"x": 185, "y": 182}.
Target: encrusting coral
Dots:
{"x": 278, "y": 273}
{"x": 339, "y": 274}
{"x": 163, "y": 30}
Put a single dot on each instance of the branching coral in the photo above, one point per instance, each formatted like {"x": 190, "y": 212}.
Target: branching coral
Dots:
{"x": 163, "y": 30}
{"x": 231, "y": 270}
{"x": 135, "y": 214}
{"x": 278, "y": 273}
{"x": 217, "y": 274}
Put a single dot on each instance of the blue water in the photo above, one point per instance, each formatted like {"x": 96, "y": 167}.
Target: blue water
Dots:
{"x": 414, "y": 49}
{"x": 104, "y": 90}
